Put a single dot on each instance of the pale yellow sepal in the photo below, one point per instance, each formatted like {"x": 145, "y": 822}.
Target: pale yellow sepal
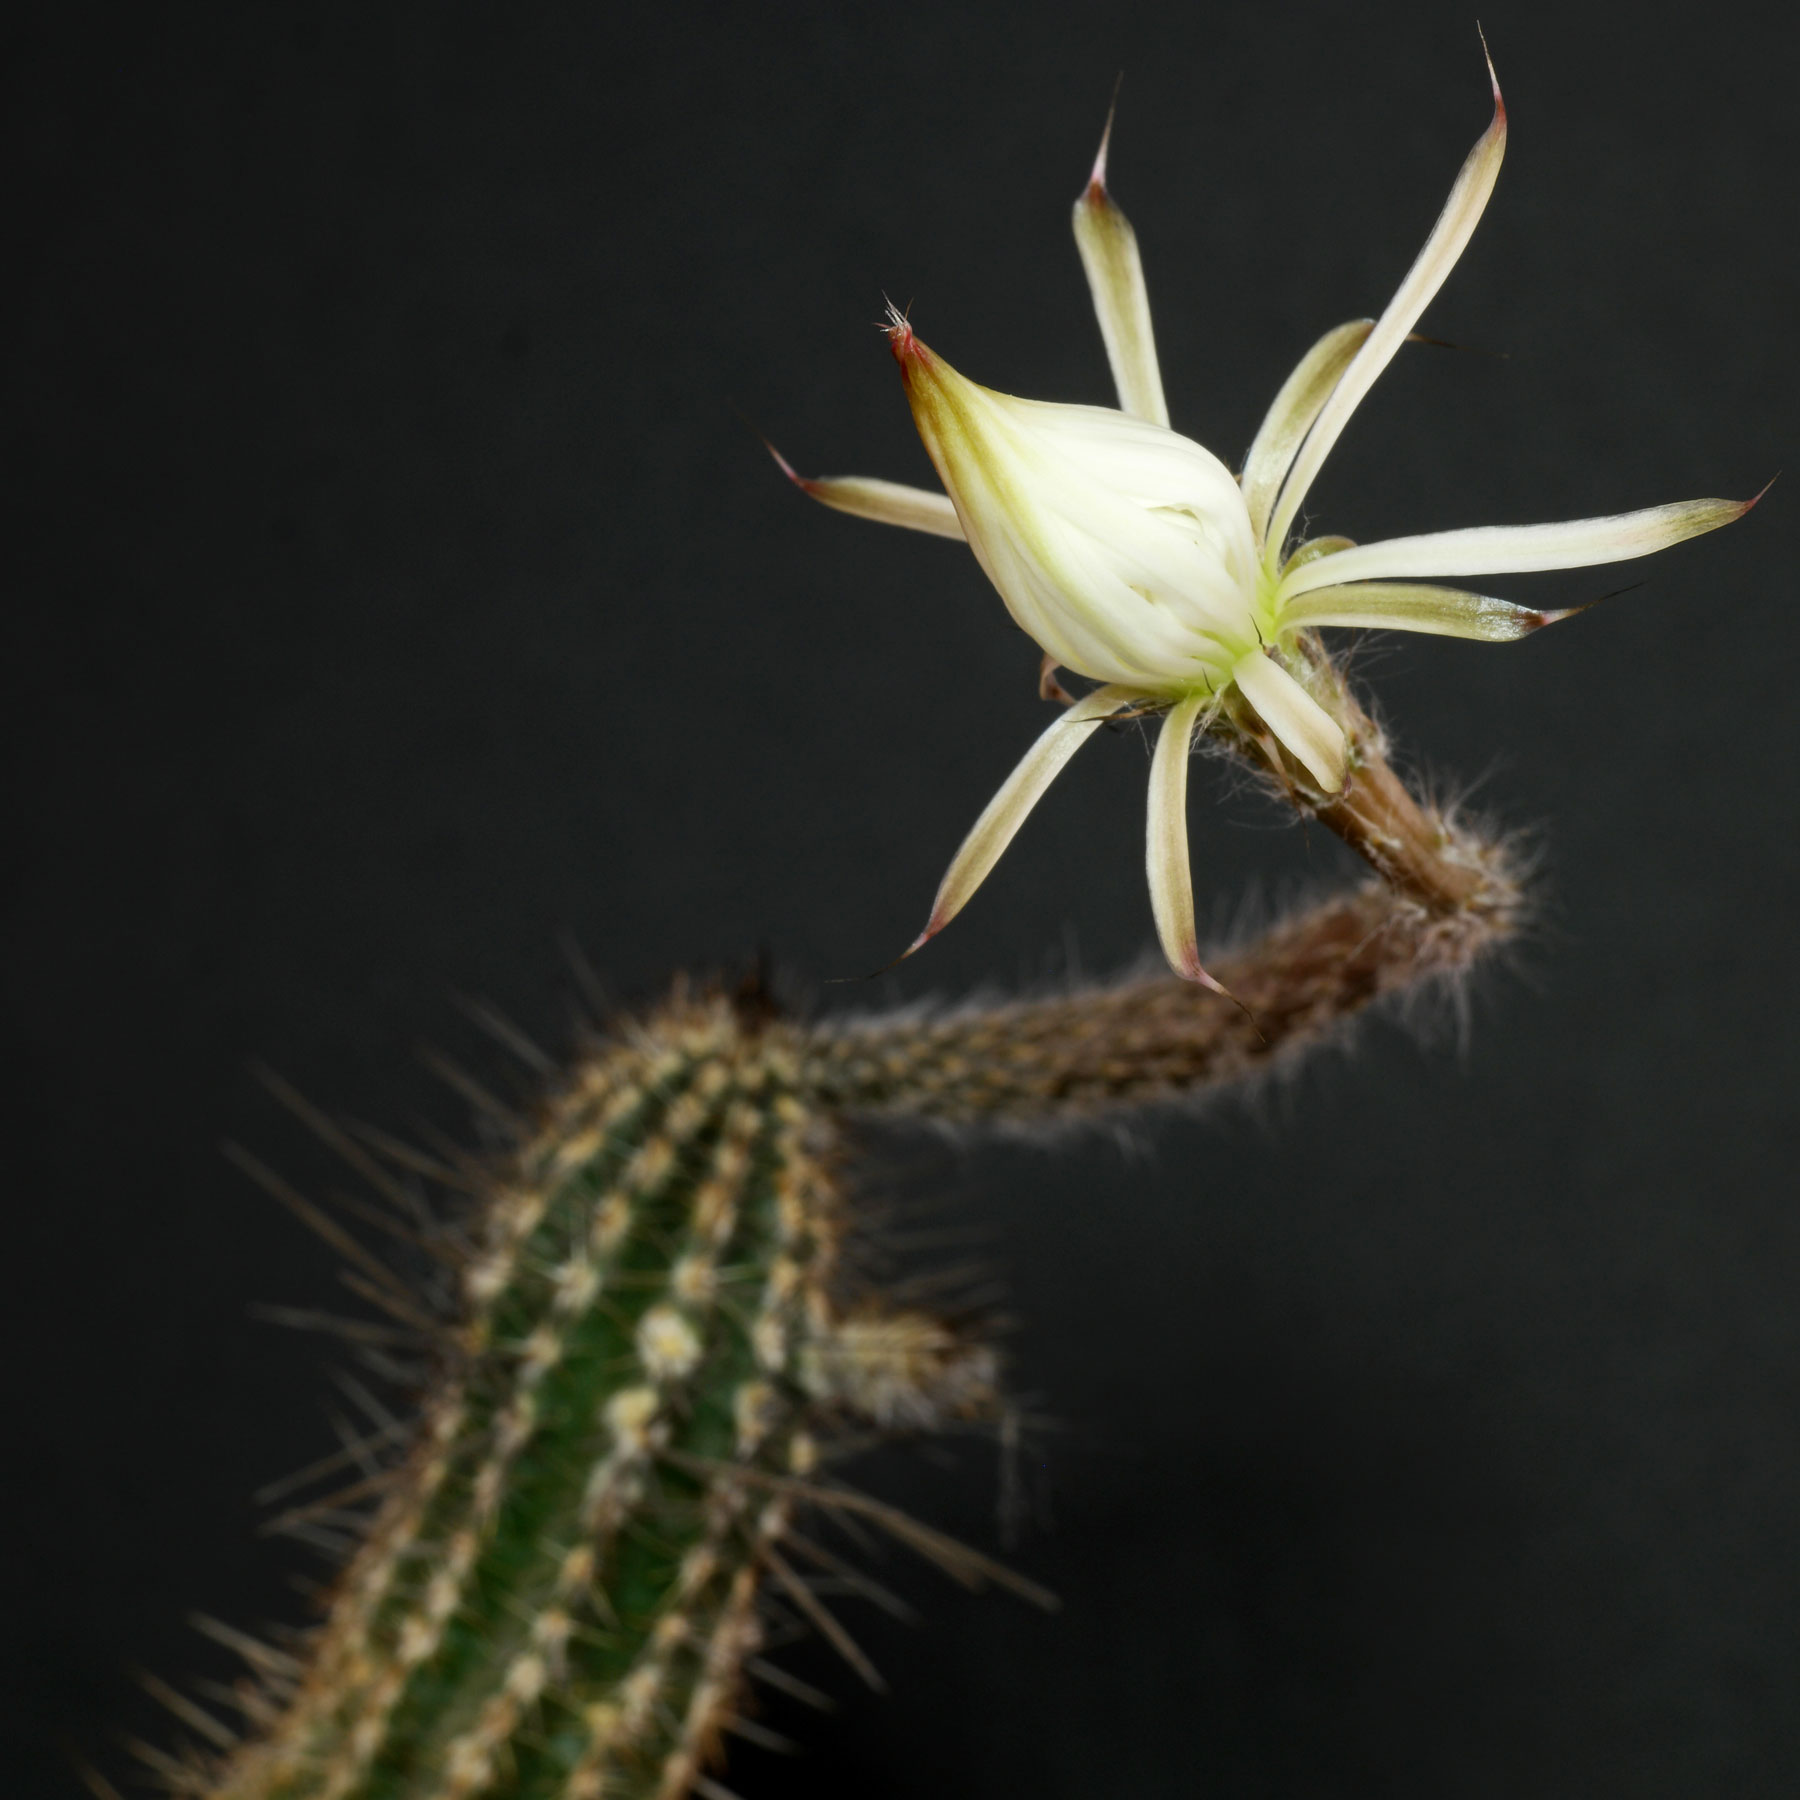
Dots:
{"x": 1295, "y": 717}
{"x": 1008, "y": 810}
{"x": 1449, "y": 238}
{"x": 869, "y": 497}
{"x": 1115, "y": 273}
{"x": 1519, "y": 549}
{"x": 1413, "y": 606}
{"x": 1166, "y": 843}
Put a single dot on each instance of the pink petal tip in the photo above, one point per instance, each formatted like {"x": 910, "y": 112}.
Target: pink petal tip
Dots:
{"x": 1759, "y": 493}
{"x": 1493, "y": 79}
{"x": 787, "y": 468}
{"x": 901, "y": 338}
{"x": 1096, "y": 182}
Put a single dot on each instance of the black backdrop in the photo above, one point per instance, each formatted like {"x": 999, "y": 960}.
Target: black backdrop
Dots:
{"x": 394, "y": 589}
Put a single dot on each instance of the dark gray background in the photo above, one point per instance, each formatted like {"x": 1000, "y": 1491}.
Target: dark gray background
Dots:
{"x": 393, "y": 589}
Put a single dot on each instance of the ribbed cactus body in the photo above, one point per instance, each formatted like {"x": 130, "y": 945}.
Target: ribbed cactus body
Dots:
{"x": 559, "y": 1592}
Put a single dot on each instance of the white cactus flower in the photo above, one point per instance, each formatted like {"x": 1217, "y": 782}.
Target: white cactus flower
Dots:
{"x": 1131, "y": 555}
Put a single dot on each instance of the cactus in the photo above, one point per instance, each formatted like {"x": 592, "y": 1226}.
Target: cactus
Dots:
{"x": 657, "y": 1345}
{"x": 559, "y": 1592}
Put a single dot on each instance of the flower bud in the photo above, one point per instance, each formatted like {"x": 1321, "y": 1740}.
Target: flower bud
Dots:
{"x": 1124, "y": 549}
{"x": 1130, "y": 554}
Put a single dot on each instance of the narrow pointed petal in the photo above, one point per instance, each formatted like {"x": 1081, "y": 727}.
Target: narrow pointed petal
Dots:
{"x": 1295, "y": 717}
{"x": 1284, "y": 429}
{"x": 1411, "y": 606}
{"x": 869, "y": 497}
{"x": 1518, "y": 549}
{"x": 1449, "y": 237}
{"x": 1115, "y": 273}
{"x": 1166, "y": 844}
{"x": 1008, "y": 810}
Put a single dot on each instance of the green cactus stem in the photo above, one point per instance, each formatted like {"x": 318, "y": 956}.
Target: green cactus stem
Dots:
{"x": 559, "y": 1592}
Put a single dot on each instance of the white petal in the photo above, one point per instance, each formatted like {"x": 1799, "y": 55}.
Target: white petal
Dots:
{"x": 1409, "y": 606}
{"x": 1456, "y": 224}
{"x": 1115, "y": 273}
{"x": 1291, "y": 417}
{"x": 1150, "y": 463}
{"x": 869, "y": 497}
{"x": 1166, "y": 843}
{"x": 1519, "y": 549}
{"x": 1008, "y": 809}
{"x": 1295, "y": 717}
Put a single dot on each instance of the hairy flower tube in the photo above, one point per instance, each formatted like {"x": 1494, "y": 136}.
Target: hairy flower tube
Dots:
{"x": 1132, "y": 555}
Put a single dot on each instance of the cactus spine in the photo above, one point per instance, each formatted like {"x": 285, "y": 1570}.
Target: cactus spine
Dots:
{"x": 562, "y": 1590}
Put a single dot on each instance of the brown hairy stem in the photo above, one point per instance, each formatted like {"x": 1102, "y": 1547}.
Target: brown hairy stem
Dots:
{"x": 1411, "y": 848}
{"x": 1159, "y": 1039}
{"x": 1445, "y": 895}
